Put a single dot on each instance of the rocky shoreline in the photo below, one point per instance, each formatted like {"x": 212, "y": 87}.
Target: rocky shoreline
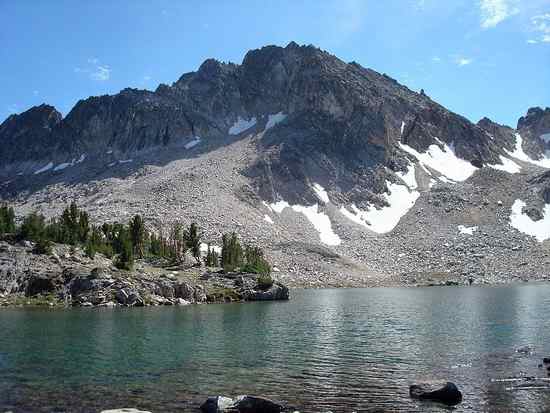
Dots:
{"x": 68, "y": 278}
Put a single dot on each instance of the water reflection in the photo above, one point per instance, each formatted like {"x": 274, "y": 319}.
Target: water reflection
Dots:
{"x": 338, "y": 350}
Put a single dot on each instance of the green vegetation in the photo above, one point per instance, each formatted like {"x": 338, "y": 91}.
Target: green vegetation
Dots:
{"x": 122, "y": 242}
{"x": 265, "y": 282}
{"x": 222, "y": 294}
{"x": 7, "y": 220}
{"x": 212, "y": 258}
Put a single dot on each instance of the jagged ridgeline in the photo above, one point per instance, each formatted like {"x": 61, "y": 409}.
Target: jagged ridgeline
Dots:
{"x": 333, "y": 168}
{"x": 123, "y": 242}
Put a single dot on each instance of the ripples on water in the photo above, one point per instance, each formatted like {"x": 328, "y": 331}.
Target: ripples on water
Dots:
{"x": 337, "y": 350}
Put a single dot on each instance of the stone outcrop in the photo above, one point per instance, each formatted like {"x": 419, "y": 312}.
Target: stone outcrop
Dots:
{"x": 447, "y": 394}
{"x": 70, "y": 278}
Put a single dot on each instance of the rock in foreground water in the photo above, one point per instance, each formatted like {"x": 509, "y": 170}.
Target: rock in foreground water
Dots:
{"x": 242, "y": 404}
{"x": 448, "y": 394}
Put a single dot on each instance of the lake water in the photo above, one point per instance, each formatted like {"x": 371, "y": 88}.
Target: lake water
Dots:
{"x": 325, "y": 350}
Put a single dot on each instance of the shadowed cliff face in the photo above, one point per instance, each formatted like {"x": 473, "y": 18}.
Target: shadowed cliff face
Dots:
{"x": 28, "y": 135}
{"x": 341, "y": 124}
{"x": 535, "y": 129}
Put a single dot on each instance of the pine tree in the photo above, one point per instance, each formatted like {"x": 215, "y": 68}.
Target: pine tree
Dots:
{"x": 255, "y": 261}
{"x": 32, "y": 228}
{"x": 90, "y": 250}
{"x": 125, "y": 258}
{"x": 232, "y": 252}
{"x": 137, "y": 233}
{"x": 178, "y": 242}
{"x": 83, "y": 227}
{"x": 212, "y": 258}
{"x": 193, "y": 241}
{"x": 7, "y": 220}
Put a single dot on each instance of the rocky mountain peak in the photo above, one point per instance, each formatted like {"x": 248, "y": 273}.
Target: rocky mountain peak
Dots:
{"x": 534, "y": 128}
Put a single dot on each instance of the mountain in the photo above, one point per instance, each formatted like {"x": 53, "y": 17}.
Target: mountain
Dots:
{"x": 339, "y": 171}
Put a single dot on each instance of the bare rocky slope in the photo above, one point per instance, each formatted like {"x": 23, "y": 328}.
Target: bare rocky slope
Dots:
{"x": 343, "y": 175}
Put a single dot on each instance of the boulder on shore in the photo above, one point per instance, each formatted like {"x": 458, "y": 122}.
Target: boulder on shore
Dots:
{"x": 277, "y": 291}
{"x": 241, "y": 404}
{"x": 448, "y": 394}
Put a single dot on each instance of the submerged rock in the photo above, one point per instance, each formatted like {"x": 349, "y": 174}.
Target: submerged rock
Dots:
{"x": 448, "y": 394}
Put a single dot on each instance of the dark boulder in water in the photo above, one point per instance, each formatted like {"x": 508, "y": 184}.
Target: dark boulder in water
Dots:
{"x": 252, "y": 404}
{"x": 242, "y": 404}
{"x": 448, "y": 394}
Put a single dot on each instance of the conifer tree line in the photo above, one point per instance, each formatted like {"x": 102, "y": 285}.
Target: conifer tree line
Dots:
{"x": 123, "y": 243}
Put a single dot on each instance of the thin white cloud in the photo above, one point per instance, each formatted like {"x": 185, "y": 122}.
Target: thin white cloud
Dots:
{"x": 35, "y": 92}
{"x": 13, "y": 108}
{"x": 436, "y": 59}
{"x": 95, "y": 70}
{"x": 146, "y": 78}
{"x": 101, "y": 73}
{"x": 463, "y": 61}
{"x": 541, "y": 26}
{"x": 494, "y": 12}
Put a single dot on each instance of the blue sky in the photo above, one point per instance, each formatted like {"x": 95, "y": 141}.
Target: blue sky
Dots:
{"x": 476, "y": 57}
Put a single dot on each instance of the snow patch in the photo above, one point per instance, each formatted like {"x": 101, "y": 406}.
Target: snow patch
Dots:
{"x": 319, "y": 220}
{"x": 447, "y": 181}
{"x": 275, "y": 119}
{"x": 385, "y": 219}
{"x": 192, "y": 143}
{"x": 267, "y": 218}
{"x": 545, "y": 137}
{"x": 279, "y": 206}
{"x": 518, "y": 153}
{"x": 44, "y": 168}
{"x": 466, "y": 230}
{"x": 402, "y": 127}
{"x": 508, "y": 165}
{"x": 81, "y": 159}
{"x": 241, "y": 125}
{"x": 443, "y": 160}
{"x": 110, "y": 151}
{"x": 62, "y": 166}
{"x": 409, "y": 177}
{"x": 126, "y": 161}
{"x": 523, "y": 222}
{"x": 321, "y": 193}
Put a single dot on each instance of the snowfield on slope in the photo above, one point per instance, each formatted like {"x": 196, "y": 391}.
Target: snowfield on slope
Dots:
{"x": 443, "y": 161}
{"x": 192, "y": 143}
{"x": 321, "y": 193}
{"x": 273, "y": 120}
{"x": 518, "y": 153}
{"x": 466, "y": 230}
{"x": 44, "y": 168}
{"x": 507, "y": 165}
{"x": 319, "y": 220}
{"x": 241, "y": 125}
{"x": 523, "y": 222}
{"x": 400, "y": 200}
